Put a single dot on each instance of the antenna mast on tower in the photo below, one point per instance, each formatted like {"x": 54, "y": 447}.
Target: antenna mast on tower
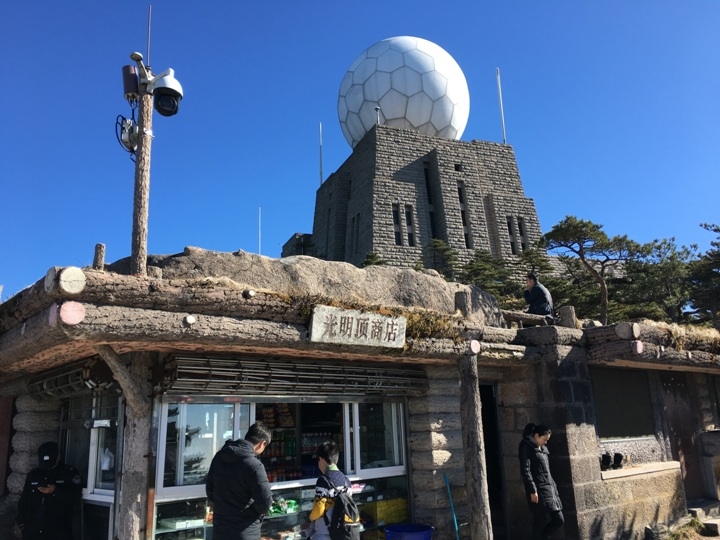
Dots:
{"x": 148, "y": 40}
{"x": 321, "y": 172}
{"x": 502, "y": 113}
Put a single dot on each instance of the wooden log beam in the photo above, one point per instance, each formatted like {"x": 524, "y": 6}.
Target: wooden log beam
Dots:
{"x": 474, "y": 448}
{"x": 651, "y": 356}
{"x": 623, "y": 330}
{"x": 58, "y": 283}
{"x": 44, "y": 331}
{"x": 524, "y": 319}
{"x": 126, "y": 329}
{"x": 132, "y": 388}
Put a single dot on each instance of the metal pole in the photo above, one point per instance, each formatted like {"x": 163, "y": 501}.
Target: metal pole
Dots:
{"x": 502, "y": 113}
{"x": 138, "y": 257}
{"x": 259, "y": 229}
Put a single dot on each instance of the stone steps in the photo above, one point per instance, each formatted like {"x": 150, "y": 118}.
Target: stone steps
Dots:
{"x": 708, "y": 512}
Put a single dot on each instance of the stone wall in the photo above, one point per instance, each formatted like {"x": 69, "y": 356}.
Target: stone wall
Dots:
{"x": 389, "y": 166}
{"x": 36, "y": 422}
{"x": 436, "y": 449}
{"x": 598, "y": 504}
{"x": 621, "y": 507}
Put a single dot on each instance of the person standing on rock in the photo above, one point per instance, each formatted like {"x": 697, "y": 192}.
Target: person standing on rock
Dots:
{"x": 46, "y": 508}
{"x": 543, "y": 498}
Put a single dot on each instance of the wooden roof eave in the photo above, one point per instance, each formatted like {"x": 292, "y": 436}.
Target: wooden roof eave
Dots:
{"x": 69, "y": 331}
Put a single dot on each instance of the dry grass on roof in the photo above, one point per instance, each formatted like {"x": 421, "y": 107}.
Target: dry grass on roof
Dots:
{"x": 685, "y": 337}
{"x": 421, "y": 323}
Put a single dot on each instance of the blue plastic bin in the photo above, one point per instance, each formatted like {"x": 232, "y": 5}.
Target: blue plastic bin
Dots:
{"x": 409, "y": 532}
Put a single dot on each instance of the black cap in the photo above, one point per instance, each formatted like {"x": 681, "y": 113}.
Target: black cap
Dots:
{"x": 48, "y": 455}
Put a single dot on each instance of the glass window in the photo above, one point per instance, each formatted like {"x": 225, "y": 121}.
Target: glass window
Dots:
{"x": 78, "y": 451}
{"x": 622, "y": 403}
{"x": 96, "y": 521}
{"x": 380, "y": 428}
{"x": 105, "y": 466}
{"x": 195, "y": 432}
{"x": 106, "y": 415}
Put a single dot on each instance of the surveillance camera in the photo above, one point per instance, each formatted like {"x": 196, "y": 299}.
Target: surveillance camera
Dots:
{"x": 167, "y": 93}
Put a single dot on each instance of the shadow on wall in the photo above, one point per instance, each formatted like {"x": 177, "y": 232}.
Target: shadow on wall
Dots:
{"x": 624, "y": 523}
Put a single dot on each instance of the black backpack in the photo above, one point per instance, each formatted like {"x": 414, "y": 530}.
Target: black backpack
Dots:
{"x": 345, "y": 522}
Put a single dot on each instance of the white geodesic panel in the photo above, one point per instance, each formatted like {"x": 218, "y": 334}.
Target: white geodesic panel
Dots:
{"x": 376, "y": 86}
{"x": 434, "y": 84}
{"x": 419, "y": 109}
{"x": 368, "y": 115}
{"x": 355, "y": 98}
{"x": 366, "y": 68}
{"x": 420, "y": 61}
{"x": 390, "y": 61}
{"x": 403, "y": 43}
{"x": 416, "y": 84}
{"x": 355, "y": 126}
{"x": 442, "y": 109}
{"x": 408, "y": 79}
{"x": 346, "y": 82}
{"x": 376, "y": 50}
{"x": 394, "y": 105}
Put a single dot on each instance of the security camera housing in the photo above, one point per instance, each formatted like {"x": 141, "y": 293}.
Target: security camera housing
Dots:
{"x": 167, "y": 93}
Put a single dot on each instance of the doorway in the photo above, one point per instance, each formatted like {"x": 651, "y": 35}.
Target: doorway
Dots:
{"x": 682, "y": 424}
{"x": 493, "y": 459}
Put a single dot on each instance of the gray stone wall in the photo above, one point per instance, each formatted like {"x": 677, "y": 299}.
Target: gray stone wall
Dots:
{"x": 36, "y": 422}
{"x": 436, "y": 449}
{"x": 388, "y": 167}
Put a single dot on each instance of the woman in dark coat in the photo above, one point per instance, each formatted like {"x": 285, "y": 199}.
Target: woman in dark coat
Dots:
{"x": 540, "y": 487}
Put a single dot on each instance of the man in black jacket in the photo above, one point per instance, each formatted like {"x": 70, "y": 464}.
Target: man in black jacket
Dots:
{"x": 537, "y": 295}
{"x": 237, "y": 486}
{"x": 47, "y": 505}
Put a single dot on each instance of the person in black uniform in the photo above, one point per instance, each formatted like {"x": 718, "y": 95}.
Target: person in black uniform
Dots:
{"x": 237, "y": 486}
{"x": 47, "y": 505}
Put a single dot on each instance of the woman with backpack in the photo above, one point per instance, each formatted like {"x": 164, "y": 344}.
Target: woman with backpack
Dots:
{"x": 543, "y": 498}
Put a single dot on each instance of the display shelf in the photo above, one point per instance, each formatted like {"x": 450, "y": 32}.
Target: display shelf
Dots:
{"x": 181, "y": 520}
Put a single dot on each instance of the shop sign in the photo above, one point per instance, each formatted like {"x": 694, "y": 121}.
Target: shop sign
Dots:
{"x": 352, "y": 327}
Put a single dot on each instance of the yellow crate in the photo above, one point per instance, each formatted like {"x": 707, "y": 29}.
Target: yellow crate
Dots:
{"x": 386, "y": 511}
{"x": 373, "y": 535}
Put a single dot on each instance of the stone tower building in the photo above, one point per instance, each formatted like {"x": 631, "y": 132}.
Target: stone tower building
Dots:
{"x": 400, "y": 189}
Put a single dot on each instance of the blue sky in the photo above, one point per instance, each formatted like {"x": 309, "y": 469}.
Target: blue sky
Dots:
{"x": 612, "y": 107}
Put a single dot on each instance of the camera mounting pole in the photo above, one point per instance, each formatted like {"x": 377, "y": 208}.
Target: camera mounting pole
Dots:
{"x": 138, "y": 255}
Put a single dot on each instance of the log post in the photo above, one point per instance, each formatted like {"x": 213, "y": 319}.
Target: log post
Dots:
{"x": 137, "y": 398}
{"x": 99, "y": 260}
{"x": 132, "y": 520}
{"x": 473, "y": 446}
{"x": 568, "y": 318}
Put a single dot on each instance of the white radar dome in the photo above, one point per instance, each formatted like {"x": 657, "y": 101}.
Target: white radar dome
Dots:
{"x": 416, "y": 84}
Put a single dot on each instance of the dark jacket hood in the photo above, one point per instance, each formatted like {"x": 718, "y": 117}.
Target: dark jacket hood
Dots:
{"x": 236, "y": 451}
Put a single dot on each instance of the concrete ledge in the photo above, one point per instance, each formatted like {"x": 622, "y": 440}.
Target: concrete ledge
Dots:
{"x": 645, "y": 468}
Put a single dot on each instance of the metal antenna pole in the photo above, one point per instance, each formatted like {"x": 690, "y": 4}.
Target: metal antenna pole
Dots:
{"x": 259, "y": 229}
{"x": 321, "y": 171}
{"x": 148, "y": 39}
{"x": 502, "y": 113}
